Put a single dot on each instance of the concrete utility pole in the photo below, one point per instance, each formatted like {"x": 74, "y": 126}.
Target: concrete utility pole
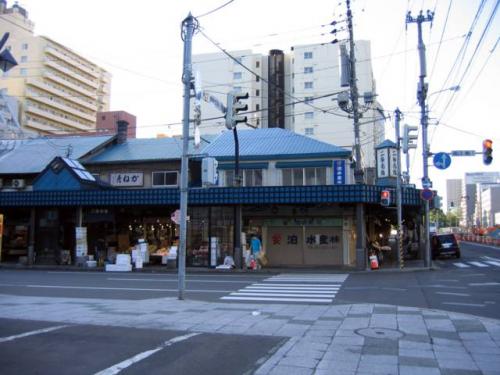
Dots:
{"x": 421, "y": 96}
{"x": 399, "y": 204}
{"x": 358, "y": 170}
{"x": 188, "y": 27}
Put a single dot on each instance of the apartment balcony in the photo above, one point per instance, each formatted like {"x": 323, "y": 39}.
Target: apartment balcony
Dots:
{"x": 82, "y": 90}
{"x": 55, "y": 65}
{"x": 54, "y": 90}
{"x": 61, "y": 106}
{"x": 72, "y": 61}
{"x": 41, "y": 126}
{"x": 57, "y": 118}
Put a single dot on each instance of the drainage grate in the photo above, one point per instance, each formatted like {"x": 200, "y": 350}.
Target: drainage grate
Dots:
{"x": 380, "y": 333}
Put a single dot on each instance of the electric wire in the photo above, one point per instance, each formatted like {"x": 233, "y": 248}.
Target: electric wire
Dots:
{"x": 215, "y": 10}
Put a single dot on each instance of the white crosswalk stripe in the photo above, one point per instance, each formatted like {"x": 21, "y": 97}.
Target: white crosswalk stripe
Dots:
{"x": 305, "y": 288}
{"x": 482, "y": 264}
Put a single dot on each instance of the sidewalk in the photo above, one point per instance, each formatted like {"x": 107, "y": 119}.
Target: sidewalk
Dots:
{"x": 329, "y": 339}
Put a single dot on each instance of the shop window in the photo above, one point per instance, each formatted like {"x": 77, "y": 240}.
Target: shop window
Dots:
{"x": 165, "y": 178}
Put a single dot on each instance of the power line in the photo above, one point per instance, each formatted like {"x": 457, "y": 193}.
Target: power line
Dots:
{"x": 215, "y": 10}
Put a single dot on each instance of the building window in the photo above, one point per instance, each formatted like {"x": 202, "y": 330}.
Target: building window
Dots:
{"x": 237, "y": 75}
{"x": 164, "y": 178}
{"x": 24, "y": 46}
{"x": 304, "y": 176}
{"x": 308, "y": 99}
{"x": 257, "y": 92}
{"x": 257, "y": 79}
{"x": 257, "y": 64}
{"x": 238, "y": 60}
{"x": 308, "y": 85}
{"x": 308, "y": 55}
{"x": 309, "y": 131}
{"x": 309, "y": 115}
{"x": 257, "y": 107}
{"x": 24, "y": 71}
{"x": 24, "y": 59}
{"x": 237, "y": 88}
{"x": 251, "y": 177}
{"x": 308, "y": 69}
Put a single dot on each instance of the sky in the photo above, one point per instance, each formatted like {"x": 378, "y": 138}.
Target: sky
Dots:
{"x": 140, "y": 44}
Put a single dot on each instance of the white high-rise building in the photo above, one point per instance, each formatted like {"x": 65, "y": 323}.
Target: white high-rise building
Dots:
{"x": 473, "y": 184}
{"x": 301, "y": 94}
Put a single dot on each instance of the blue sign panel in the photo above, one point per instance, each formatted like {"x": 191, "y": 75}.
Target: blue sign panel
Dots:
{"x": 442, "y": 160}
{"x": 339, "y": 172}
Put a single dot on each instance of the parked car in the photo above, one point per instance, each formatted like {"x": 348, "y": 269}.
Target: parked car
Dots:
{"x": 444, "y": 244}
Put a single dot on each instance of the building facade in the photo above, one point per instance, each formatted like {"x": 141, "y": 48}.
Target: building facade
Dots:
{"x": 470, "y": 193}
{"x": 297, "y": 195}
{"x": 453, "y": 195}
{"x": 106, "y": 122}
{"x": 295, "y": 91}
{"x": 61, "y": 90}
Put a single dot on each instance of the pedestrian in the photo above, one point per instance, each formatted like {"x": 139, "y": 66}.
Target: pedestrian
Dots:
{"x": 256, "y": 247}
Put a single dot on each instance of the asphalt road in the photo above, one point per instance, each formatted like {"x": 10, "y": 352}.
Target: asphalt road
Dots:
{"x": 49, "y": 348}
{"x": 469, "y": 285}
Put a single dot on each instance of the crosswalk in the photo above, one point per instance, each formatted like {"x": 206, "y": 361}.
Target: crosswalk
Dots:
{"x": 487, "y": 262}
{"x": 305, "y": 288}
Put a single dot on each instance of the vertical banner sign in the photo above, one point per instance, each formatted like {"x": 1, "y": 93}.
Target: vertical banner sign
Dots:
{"x": 382, "y": 163}
{"x": 339, "y": 172}
{"x": 393, "y": 170}
{"x": 1, "y": 235}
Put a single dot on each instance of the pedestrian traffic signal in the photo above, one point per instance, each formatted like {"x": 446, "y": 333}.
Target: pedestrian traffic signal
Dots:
{"x": 234, "y": 106}
{"x": 385, "y": 198}
{"x": 487, "y": 151}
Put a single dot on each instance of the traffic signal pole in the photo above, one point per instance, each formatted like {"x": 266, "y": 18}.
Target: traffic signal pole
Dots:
{"x": 421, "y": 96}
{"x": 400, "y": 256}
{"x": 188, "y": 28}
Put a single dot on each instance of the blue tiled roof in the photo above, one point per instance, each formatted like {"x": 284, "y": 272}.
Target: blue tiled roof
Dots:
{"x": 32, "y": 155}
{"x": 274, "y": 143}
{"x": 386, "y": 144}
{"x": 145, "y": 149}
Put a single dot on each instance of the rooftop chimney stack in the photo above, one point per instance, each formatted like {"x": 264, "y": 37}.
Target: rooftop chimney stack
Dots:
{"x": 121, "y": 131}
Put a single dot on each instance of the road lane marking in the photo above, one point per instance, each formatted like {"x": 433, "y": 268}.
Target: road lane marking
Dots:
{"x": 310, "y": 300}
{"x": 115, "y": 369}
{"x": 463, "y": 304}
{"x": 175, "y": 280}
{"x": 31, "y": 333}
{"x": 492, "y": 262}
{"x": 272, "y": 286}
{"x": 124, "y": 289}
{"x": 454, "y": 294}
{"x": 484, "y": 284}
{"x": 461, "y": 265}
{"x": 478, "y": 264}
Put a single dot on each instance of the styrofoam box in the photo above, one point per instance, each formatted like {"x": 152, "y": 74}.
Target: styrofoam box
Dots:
{"x": 91, "y": 263}
{"x": 118, "y": 267}
{"x": 123, "y": 259}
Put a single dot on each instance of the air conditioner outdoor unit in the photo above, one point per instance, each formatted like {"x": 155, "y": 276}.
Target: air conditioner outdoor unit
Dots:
{"x": 18, "y": 183}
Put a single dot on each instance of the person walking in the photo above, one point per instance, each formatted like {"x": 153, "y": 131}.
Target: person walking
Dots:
{"x": 256, "y": 247}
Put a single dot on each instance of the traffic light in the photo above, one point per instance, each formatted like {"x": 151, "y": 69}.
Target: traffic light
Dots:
{"x": 487, "y": 151}
{"x": 234, "y": 106}
{"x": 385, "y": 198}
{"x": 7, "y": 61}
{"x": 408, "y": 138}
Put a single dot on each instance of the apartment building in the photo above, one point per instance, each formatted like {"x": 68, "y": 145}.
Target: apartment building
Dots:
{"x": 295, "y": 91}
{"x": 59, "y": 90}
{"x": 473, "y": 184}
{"x": 453, "y": 194}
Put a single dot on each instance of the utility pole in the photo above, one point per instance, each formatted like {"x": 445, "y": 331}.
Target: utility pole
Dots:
{"x": 400, "y": 255}
{"x": 188, "y": 27}
{"x": 421, "y": 96}
{"x": 358, "y": 170}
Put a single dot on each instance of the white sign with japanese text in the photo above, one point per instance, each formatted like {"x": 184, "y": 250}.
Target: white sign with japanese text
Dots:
{"x": 127, "y": 179}
{"x": 393, "y": 162}
{"x": 382, "y": 163}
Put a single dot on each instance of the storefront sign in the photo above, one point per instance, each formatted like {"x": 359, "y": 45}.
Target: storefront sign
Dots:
{"x": 127, "y": 179}
{"x": 382, "y": 163}
{"x": 393, "y": 162}
{"x": 339, "y": 172}
{"x": 81, "y": 241}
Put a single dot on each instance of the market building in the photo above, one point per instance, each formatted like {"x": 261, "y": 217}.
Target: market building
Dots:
{"x": 297, "y": 195}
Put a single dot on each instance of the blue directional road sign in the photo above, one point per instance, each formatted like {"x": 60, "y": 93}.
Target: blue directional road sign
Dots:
{"x": 442, "y": 160}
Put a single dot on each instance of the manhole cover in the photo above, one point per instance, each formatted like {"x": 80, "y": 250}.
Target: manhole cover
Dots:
{"x": 380, "y": 333}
